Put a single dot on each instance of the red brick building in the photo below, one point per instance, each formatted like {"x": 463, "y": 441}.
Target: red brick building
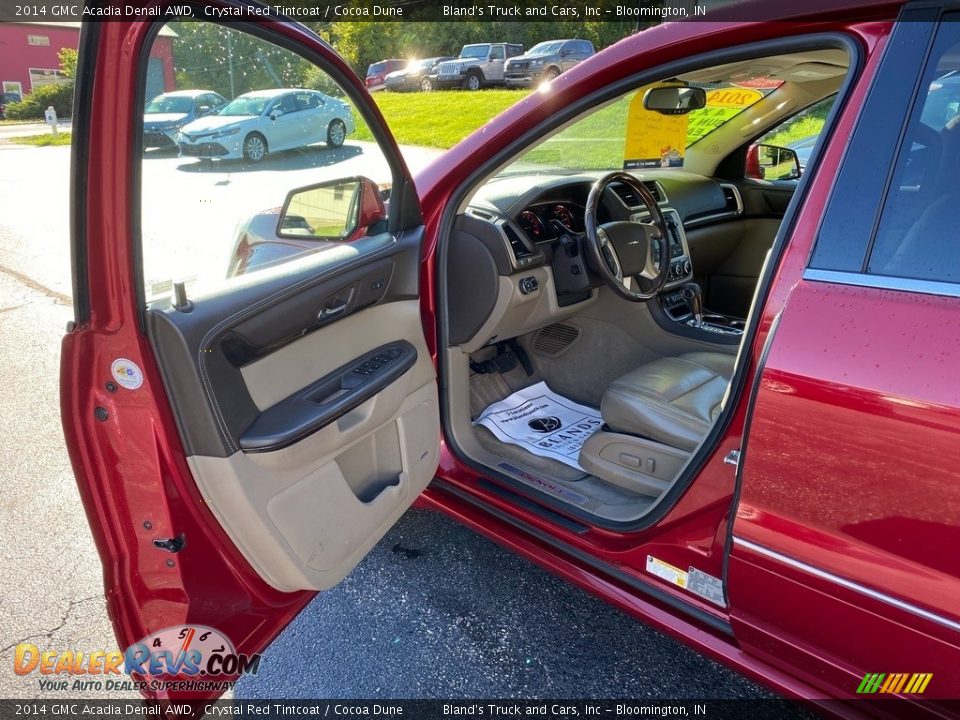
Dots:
{"x": 28, "y": 56}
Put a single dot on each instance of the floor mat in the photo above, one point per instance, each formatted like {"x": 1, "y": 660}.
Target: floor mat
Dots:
{"x": 543, "y": 423}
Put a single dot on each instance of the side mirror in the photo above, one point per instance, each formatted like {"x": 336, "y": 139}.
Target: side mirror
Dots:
{"x": 674, "y": 100}
{"x": 334, "y": 210}
{"x": 275, "y": 113}
{"x": 204, "y": 110}
{"x": 771, "y": 162}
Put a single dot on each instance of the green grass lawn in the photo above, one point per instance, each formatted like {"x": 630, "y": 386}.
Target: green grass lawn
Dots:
{"x": 41, "y": 140}
{"x": 438, "y": 119}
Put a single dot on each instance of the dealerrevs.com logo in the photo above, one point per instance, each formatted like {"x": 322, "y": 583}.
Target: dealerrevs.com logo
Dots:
{"x": 182, "y": 657}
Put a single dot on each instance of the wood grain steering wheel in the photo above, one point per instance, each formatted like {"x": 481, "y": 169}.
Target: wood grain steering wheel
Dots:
{"x": 633, "y": 258}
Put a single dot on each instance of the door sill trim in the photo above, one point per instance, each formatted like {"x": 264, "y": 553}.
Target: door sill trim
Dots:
{"x": 711, "y": 621}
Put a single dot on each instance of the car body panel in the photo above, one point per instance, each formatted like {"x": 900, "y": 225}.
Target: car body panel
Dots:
{"x": 127, "y": 454}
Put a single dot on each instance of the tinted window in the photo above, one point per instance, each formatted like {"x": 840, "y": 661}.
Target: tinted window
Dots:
{"x": 848, "y": 223}
{"x": 919, "y": 231}
{"x": 497, "y": 53}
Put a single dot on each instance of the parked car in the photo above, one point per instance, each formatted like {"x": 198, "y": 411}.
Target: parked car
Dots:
{"x": 546, "y": 60}
{"x": 166, "y": 114}
{"x": 267, "y": 121}
{"x": 741, "y": 412}
{"x": 378, "y": 71}
{"x": 415, "y": 76}
{"x": 479, "y": 65}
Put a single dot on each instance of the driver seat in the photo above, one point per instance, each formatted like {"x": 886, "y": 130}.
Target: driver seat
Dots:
{"x": 673, "y": 400}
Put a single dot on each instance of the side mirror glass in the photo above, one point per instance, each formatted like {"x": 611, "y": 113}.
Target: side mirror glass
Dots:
{"x": 674, "y": 100}
{"x": 771, "y": 162}
{"x": 333, "y": 210}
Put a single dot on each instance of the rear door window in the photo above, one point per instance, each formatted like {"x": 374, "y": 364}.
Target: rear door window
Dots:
{"x": 918, "y": 235}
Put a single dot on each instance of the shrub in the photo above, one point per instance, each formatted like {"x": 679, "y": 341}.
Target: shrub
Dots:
{"x": 35, "y": 103}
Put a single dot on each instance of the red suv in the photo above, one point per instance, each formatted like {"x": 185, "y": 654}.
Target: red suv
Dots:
{"x": 617, "y": 330}
{"x": 378, "y": 71}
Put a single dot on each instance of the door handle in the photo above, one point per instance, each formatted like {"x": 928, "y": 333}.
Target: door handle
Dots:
{"x": 331, "y": 312}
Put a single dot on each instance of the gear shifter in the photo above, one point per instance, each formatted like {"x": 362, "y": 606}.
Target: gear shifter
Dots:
{"x": 691, "y": 293}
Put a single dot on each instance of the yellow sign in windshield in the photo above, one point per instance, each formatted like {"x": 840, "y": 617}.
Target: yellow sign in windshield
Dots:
{"x": 652, "y": 138}
{"x": 723, "y": 104}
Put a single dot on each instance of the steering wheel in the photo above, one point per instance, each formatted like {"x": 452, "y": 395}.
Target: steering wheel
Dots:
{"x": 624, "y": 250}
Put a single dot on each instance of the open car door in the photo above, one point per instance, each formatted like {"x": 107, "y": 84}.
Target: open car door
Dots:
{"x": 244, "y": 438}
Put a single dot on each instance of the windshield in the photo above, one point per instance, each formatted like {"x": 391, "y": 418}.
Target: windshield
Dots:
{"x": 622, "y": 134}
{"x": 168, "y": 104}
{"x": 246, "y": 105}
{"x": 545, "y": 48}
{"x": 475, "y": 51}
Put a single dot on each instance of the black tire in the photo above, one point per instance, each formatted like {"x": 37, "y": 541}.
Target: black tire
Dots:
{"x": 551, "y": 74}
{"x": 473, "y": 81}
{"x": 255, "y": 147}
{"x": 426, "y": 84}
{"x": 336, "y": 133}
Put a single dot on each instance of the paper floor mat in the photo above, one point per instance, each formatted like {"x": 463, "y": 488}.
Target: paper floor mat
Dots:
{"x": 542, "y": 422}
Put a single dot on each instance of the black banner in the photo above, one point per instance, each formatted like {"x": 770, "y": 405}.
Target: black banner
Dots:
{"x": 639, "y": 12}
{"x": 408, "y": 709}
{"x": 288, "y": 709}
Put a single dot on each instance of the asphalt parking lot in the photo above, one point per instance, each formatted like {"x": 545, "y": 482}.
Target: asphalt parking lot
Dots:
{"x": 434, "y": 610}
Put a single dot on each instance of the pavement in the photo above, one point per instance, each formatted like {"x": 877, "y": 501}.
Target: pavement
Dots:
{"x": 434, "y": 611}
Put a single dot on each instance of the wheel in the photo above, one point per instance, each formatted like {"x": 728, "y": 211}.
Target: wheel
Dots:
{"x": 336, "y": 133}
{"x": 426, "y": 84}
{"x": 551, "y": 74}
{"x": 621, "y": 250}
{"x": 472, "y": 82}
{"x": 255, "y": 147}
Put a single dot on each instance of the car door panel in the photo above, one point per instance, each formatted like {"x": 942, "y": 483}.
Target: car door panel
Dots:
{"x": 190, "y": 528}
{"x": 270, "y": 361}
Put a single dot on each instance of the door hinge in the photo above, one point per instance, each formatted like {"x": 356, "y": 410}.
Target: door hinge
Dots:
{"x": 732, "y": 458}
{"x": 171, "y": 545}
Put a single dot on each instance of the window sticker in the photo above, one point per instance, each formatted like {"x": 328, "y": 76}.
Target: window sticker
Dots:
{"x": 653, "y": 140}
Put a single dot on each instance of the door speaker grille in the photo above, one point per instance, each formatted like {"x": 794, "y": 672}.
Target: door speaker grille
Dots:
{"x": 556, "y": 339}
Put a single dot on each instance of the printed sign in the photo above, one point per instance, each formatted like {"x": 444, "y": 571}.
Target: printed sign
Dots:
{"x": 722, "y": 105}
{"x": 653, "y": 140}
{"x": 542, "y": 422}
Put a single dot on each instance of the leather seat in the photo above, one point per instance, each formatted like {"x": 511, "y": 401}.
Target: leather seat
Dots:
{"x": 673, "y": 400}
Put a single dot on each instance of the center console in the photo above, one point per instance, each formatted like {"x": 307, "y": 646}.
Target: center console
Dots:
{"x": 681, "y": 299}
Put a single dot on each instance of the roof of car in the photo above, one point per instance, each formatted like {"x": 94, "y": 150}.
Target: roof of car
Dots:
{"x": 275, "y": 92}
{"x": 188, "y": 93}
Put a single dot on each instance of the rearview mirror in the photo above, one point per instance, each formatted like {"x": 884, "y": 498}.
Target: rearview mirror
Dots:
{"x": 334, "y": 210}
{"x": 771, "y": 162}
{"x": 674, "y": 100}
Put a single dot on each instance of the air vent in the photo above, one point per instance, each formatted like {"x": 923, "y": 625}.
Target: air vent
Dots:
{"x": 655, "y": 190}
{"x": 555, "y": 340}
{"x": 629, "y": 197}
{"x": 516, "y": 244}
{"x": 732, "y": 200}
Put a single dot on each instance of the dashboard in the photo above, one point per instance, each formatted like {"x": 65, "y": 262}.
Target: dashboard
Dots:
{"x": 547, "y": 221}
{"x": 515, "y": 260}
